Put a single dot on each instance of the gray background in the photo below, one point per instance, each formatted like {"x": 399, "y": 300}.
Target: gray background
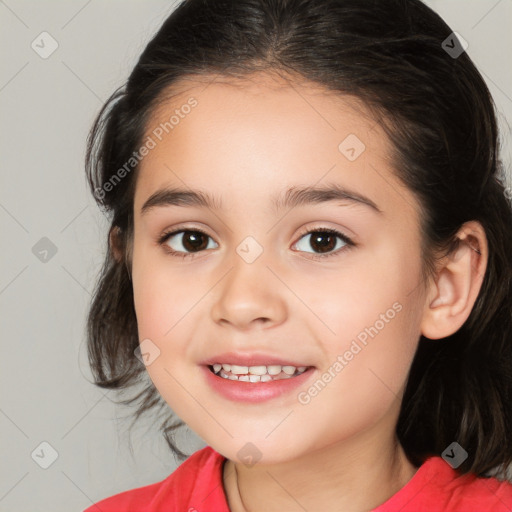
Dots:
{"x": 47, "y": 107}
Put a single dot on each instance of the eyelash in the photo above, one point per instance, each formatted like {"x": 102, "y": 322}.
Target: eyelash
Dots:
{"x": 349, "y": 243}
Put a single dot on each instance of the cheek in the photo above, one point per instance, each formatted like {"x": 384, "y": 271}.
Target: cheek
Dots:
{"x": 168, "y": 304}
{"x": 369, "y": 319}
{"x": 365, "y": 371}
{"x": 152, "y": 300}
{"x": 159, "y": 299}
{"x": 164, "y": 313}
{"x": 370, "y": 288}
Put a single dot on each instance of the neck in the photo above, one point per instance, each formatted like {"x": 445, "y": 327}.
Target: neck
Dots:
{"x": 332, "y": 478}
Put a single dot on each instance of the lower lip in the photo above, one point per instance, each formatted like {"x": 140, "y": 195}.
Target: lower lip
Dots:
{"x": 253, "y": 392}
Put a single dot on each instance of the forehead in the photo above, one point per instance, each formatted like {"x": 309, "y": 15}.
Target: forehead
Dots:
{"x": 262, "y": 133}
{"x": 267, "y": 100}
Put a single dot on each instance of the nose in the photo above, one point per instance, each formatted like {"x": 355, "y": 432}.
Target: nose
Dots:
{"x": 249, "y": 295}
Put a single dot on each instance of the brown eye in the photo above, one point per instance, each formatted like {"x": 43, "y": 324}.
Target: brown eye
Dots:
{"x": 185, "y": 241}
{"x": 323, "y": 242}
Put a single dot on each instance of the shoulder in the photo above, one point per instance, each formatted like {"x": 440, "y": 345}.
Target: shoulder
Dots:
{"x": 471, "y": 493}
{"x": 195, "y": 484}
{"x": 437, "y": 486}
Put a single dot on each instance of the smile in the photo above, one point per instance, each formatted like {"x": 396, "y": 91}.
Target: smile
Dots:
{"x": 250, "y": 388}
{"x": 259, "y": 373}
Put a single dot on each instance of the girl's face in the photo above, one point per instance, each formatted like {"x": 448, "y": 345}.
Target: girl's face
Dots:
{"x": 255, "y": 283}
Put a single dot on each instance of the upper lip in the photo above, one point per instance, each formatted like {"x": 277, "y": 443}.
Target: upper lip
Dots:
{"x": 251, "y": 359}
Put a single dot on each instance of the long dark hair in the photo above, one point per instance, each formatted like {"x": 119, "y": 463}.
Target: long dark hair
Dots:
{"x": 440, "y": 117}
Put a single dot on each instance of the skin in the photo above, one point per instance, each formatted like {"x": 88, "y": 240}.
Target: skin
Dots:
{"x": 244, "y": 142}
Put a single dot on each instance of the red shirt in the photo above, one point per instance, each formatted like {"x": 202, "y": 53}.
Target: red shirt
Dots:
{"x": 196, "y": 486}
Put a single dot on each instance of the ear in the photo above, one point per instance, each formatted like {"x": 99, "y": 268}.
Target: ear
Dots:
{"x": 451, "y": 296}
{"x": 114, "y": 239}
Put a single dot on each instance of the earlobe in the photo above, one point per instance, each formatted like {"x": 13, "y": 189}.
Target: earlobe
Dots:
{"x": 115, "y": 243}
{"x": 453, "y": 293}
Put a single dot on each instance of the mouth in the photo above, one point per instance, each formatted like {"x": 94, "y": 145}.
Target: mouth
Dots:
{"x": 256, "y": 384}
{"x": 260, "y": 373}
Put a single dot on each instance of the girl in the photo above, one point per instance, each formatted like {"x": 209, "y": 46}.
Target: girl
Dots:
{"x": 309, "y": 260}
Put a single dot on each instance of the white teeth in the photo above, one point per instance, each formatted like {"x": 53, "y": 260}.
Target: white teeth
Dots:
{"x": 274, "y": 370}
{"x": 239, "y": 370}
{"x": 289, "y": 370}
{"x": 257, "y": 370}
{"x": 258, "y": 373}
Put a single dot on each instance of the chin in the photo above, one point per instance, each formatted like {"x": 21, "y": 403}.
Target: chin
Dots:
{"x": 257, "y": 452}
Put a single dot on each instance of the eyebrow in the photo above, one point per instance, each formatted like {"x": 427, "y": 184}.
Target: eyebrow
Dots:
{"x": 293, "y": 197}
